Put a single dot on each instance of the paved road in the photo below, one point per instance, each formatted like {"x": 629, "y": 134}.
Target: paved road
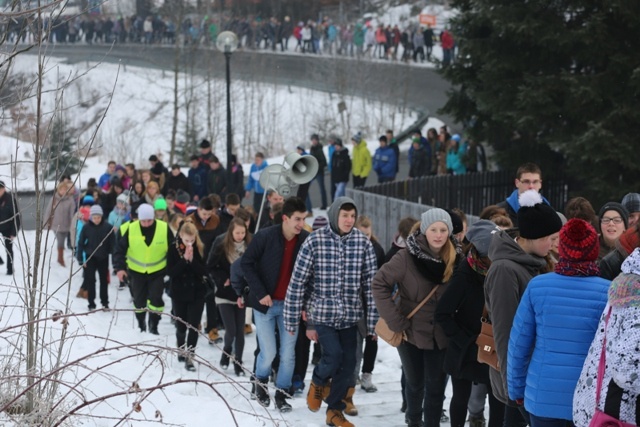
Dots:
{"x": 418, "y": 88}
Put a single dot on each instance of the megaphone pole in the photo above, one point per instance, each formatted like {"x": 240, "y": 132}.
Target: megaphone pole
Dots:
{"x": 264, "y": 197}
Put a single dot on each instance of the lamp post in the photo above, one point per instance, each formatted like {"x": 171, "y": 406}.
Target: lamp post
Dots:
{"x": 227, "y": 43}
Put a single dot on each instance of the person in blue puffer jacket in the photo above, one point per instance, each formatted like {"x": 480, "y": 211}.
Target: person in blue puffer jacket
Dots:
{"x": 554, "y": 326}
{"x": 384, "y": 161}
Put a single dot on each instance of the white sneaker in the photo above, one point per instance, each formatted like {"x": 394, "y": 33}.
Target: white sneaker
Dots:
{"x": 366, "y": 384}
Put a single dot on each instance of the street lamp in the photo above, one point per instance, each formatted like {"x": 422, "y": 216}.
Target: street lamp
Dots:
{"x": 227, "y": 43}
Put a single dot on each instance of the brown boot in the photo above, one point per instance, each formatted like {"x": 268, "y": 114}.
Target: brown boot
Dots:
{"x": 83, "y": 293}
{"x": 336, "y": 418}
{"x": 326, "y": 391}
{"x": 314, "y": 397}
{"x": 247, "y": 329}
{"x": 61, "y": 256}
{"x": 214, "y": 336}
{"x": 348, "y": 400}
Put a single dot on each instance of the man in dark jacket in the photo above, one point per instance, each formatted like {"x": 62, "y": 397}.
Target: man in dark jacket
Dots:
{"x": 216, "y": 178}
{"x": 176, "y": 181}
{"x": 197, "y": 179}
{"x": 514, "y": 262}
{"x": 9, "y": 223}
{"x": 268, "y": 266}
{"x": 340, "y": 168}
{"x": 317, "y": 152}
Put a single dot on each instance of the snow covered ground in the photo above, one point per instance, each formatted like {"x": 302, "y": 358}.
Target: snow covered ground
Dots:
{"x": 124, "y": 368}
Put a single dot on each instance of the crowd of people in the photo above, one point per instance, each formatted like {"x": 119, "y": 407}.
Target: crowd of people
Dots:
{"x": 552, "y": 286}
{"x": 362, "y": 39}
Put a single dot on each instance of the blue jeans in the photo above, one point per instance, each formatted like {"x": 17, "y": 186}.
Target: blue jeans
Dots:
{"x": 340, "y": 189}
{"x": 266, "y": 333}
{"x": 425, "y": 383}
{"x": 337, "y": 363}
{"x": 548, "y": 422}
{"x": 323, "y": 190}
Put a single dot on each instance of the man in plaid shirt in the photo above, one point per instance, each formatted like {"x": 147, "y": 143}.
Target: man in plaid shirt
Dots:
{"x": 331, "y": 289}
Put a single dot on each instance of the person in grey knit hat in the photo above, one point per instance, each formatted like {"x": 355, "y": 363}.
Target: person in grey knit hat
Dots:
{"x": 631, "y": 202}
{"x": 435, "y": 215}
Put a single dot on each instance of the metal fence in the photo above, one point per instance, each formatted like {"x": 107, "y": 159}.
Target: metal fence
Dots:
{"x": 386, "y": 204}
{"x": 469, "y": 192}
{"x": 386, "y": 212}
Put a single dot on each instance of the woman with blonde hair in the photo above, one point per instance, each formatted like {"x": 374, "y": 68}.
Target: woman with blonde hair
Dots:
{"x": 187, "y": 270}
{"x": 223, "y": 255}
{"x": 422, "y": 272}
{"x": 152, "y": 193}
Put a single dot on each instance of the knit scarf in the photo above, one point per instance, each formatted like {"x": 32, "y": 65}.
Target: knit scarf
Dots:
{"x": 476, "y": 263}
{"x": 429, "y": 266}
{"x": 577, "y": 268}
{"x": 236, "y": 252}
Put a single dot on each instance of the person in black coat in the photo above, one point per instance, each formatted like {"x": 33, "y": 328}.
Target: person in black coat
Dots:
{"x": 340, "y": 168}
{"x": 176, "y": 181}
{"x": 9, "y": 223}
{"x": 459, "y": 312}
{"x": 187, "y": 271}
{"x": 229, "y": 250}
{"x": 420, "y": 161}
{"x": 317, "y": 152}
{"x": 95, "y": 243}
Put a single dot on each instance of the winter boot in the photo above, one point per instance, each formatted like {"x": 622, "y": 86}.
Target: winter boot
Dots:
{"x": 247, "y": 329}
{"x": 281, "y": 401}
{"x": 366, "y": 384}
{"x": 315, "y": 397}
{"x": 82, "y": 293}
{"x": 326, "y": 391}
{"x": 237, "y": 367}
{"x": 476, "y": 421}
{"x": 262, "y": 392}
{"x": 348, "y": 400}
{"x": 188, "y": 362}
{"x": 224, "y": 360}
{"x": 142, "y": 324}
{"x": 61, "y": 256}
{"x": 336, "y": 418}
{"x": 154, "y": 319}
{"x": 214, "y": 336}
{"x": 181, "y": 339}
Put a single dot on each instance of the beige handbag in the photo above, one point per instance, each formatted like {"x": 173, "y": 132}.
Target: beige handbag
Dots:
{"x": 395, "y": 338}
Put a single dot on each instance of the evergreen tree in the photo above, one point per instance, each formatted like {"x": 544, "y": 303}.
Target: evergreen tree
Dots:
{"x": 61, "y": 155}
{"x": 552, "y": 81}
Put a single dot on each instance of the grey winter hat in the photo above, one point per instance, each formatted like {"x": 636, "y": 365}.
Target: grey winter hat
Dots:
{"x": 123, "y": 198}
{"x": 334, "y": 211}
{"x": 631, "y": 202}
{"x": 145, "y": 212}
{"x": 435, "y": 215}
{"x": 480, "y": 235}
{"x": 96, "y": 210}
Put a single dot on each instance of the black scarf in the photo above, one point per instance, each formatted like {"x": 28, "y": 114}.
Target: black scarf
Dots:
{"x": 429, "y": 267}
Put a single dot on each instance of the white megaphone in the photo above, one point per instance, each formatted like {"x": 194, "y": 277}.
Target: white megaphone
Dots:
{"x": 275, "y": 177}
{"x": 302, "y": 169}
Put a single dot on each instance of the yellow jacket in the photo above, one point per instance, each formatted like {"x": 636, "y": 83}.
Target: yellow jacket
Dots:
{"x": 361, "y": 161}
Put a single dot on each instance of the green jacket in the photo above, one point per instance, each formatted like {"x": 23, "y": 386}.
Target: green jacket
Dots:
{"x": 361, "y": 160}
